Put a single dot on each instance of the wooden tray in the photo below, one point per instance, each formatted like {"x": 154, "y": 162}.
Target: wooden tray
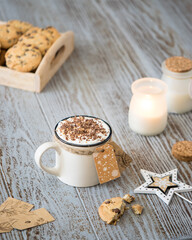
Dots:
{"x": 51, "y": 62}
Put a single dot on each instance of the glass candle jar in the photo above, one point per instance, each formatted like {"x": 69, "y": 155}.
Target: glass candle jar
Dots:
{"x": 179, "y": 94}
{"x": 148, "y": 108}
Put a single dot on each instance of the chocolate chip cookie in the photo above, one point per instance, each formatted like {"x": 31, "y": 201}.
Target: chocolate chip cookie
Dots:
{"x": 23, "y": 58}
{"x": 9, "y": 35}
{"x": 182, "y": 151}
{"x": 37, "y": 40}
{"x": 111, "y": 210}
{"x": 34, "y": 30}
{"x": 51, "y": 33}
{"x": 20, "y": 25}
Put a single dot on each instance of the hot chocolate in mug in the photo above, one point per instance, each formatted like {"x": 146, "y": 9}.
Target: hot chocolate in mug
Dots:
{"x": 75, "y": 140}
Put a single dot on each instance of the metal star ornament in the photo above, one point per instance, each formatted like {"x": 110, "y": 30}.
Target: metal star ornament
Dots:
{"x": 163, "y": 185}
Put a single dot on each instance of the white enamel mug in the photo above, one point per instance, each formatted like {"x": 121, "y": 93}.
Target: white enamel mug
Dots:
{"x": 74, "y": 163}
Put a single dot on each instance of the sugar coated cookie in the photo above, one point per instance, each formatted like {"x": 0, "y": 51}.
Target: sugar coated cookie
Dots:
{"x": 178, "y": 64}
{"x": 182, "y": 151}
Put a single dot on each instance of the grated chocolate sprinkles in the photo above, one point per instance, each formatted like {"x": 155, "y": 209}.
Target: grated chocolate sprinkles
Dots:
{"x": 83, "y": 128}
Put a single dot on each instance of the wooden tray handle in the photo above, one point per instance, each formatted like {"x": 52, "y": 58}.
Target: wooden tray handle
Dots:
{"x": 60, "y": 49}
{"x": 54, "y": 58}
{"x": 57, "y": 55}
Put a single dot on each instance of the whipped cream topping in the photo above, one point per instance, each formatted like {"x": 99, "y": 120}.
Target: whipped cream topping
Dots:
{"x": 83, "y": 130}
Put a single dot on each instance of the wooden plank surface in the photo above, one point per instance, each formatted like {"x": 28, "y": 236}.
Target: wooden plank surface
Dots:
{"x": 116, "y": 42}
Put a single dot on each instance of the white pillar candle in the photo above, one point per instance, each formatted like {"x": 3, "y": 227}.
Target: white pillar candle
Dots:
{"x": 148, "y": 108}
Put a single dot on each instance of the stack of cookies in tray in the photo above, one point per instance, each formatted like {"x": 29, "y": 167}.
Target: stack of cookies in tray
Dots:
{"x": 22, "y": 46}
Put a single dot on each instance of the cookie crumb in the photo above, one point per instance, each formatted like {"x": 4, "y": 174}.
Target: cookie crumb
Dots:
{"x": 137, "y": 209}
{"x": 128, "y": 198}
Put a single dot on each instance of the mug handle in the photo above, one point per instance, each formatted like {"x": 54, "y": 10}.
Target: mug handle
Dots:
{"x": 40, "y": 151}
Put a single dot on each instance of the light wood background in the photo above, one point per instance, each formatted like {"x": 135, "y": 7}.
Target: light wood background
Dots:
{"x": 116, "y": 42}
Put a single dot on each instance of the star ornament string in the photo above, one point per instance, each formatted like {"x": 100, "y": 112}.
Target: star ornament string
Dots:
{"x": 163, "y": 185}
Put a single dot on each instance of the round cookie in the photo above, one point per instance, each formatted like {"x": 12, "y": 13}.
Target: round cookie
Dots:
{"x": 23, "y": 58}
{"x": 37, "y": 40}
{"x": 111, "y": 210}
{"x": 182, "y": 151}
{"x": 51, "y": 33}
{"x": 178, "y": 64}
{"x": 33, "y": 30}
{"x": 20, "y": 25}
{"x": 2, "y": 57}
{"x": 8, "y": 36}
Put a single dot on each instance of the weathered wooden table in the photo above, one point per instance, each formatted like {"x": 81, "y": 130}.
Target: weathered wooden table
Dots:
{"x": 117, "y": 42}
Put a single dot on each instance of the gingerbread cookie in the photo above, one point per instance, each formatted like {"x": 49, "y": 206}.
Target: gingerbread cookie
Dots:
{"x": 137, "y": 209}
{"x": 183, "y": 151}
{"x": 37, "y": 40}
{"x": 111, "y": 210}
{"x": 8, "y": 36}
{"x": 106, "y": 163}
{"x": 20, "y": 25}
{"x": 178, "y": 64}
{"x": 23, "y": 58}
{"x": 2, "y": 57}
